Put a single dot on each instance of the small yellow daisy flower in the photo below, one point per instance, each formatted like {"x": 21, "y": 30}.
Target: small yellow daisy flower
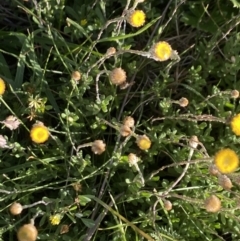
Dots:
{"x": 143, "y": 142}
{"x": 161, "y": 51}
{"x": 226, "y": 160}
{"x": 2, "y": 86}
{"x": 55, "y": 219}
{"x": 235, "y": 124}
{"x": 136, "y": 18}
{"x": 39, "y": 133}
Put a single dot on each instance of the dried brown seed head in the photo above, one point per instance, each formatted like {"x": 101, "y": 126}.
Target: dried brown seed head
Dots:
{"x": 125, "y": 130}
{"x": 225, "y": 182}
{"x": 129, "y": 121}
{"x": 133, "y": 159}
{"x": 234, "y": 94}
{"x": 213, "y": 170}
{"x": 98, "y": 147}
{"x": 118, "y": 76}
{"x": 212, "y": 204}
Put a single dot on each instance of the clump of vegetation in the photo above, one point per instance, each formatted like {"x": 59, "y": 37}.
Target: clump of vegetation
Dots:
{"x": 120, "y": 120}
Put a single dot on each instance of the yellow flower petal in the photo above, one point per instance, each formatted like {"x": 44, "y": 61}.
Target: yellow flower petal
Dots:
{"x": 226, "y": 160}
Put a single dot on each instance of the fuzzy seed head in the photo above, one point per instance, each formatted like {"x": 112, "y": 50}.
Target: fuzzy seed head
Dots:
{"x": 136, "y": 18}
{"x": 129, "y": 121}
{"x": 212, "y": 204}
{"x": 16, "y": 208}
{"x": 76, "y": 75}
{"x": 183, "y": 102}
{"x": 167, "y": 205}
{"x": 125, "y": 131}
{"x": 225, "y": 182}
{"x": 118, "y": 76}
{"x": 143, "y": 142}
{"x": 213, "y": 170}
{"x": 27, "y": 232}
{"x": 98, "y": 147}
{"x": 234, "y": 94}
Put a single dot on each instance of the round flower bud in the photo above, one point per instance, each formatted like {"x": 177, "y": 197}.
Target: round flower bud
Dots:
{"x": 213, "y": 170}
{"x": 225, "y": 182}
{"x": 125, "y": 130}
{"x": 76, "y": 75}
{"x": 27, "y": 232}
{"x": 143, "y": 142}
{"x": 98, "y": 147}
{"x": 212, "y": 204}
{"x": 234, "y": 94}
{"x": 129, "y": 121}
{"x": 16, "y": 208}
{"x": 167, "y": 205}
{"x": 118, "y": 76}
{"x": 183, "y": 102}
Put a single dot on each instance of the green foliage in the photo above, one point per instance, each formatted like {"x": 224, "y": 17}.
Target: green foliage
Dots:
{"x": 95, "y": 190}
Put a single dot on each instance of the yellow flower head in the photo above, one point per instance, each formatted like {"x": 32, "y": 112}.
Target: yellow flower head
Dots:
{"x": 136, "y": 18}
{"x": 161, "y": 51}
{"x": 39, "y": 133}
{"x": 55, "y": 219}
{"x": 2, "y": 86}
{"x": 143, "y": 142}
{"x": 226, "y": 160}
{"x": 235, "y": 124}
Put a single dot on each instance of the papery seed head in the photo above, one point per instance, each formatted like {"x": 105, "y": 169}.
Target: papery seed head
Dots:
{"x": 111, "y": 51}
{"x": 213, "y": 170}
{"x": 234, "y": 94}
{"x": 98, "y": 147}
{"x": 118, "y": 76}
{"x": 125, "y": 130}
{"x": 212, "y": 204}
{"x": 225, "y": 182}
{"x": 132, "y": 159}
{"x": 129, "y": 121}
